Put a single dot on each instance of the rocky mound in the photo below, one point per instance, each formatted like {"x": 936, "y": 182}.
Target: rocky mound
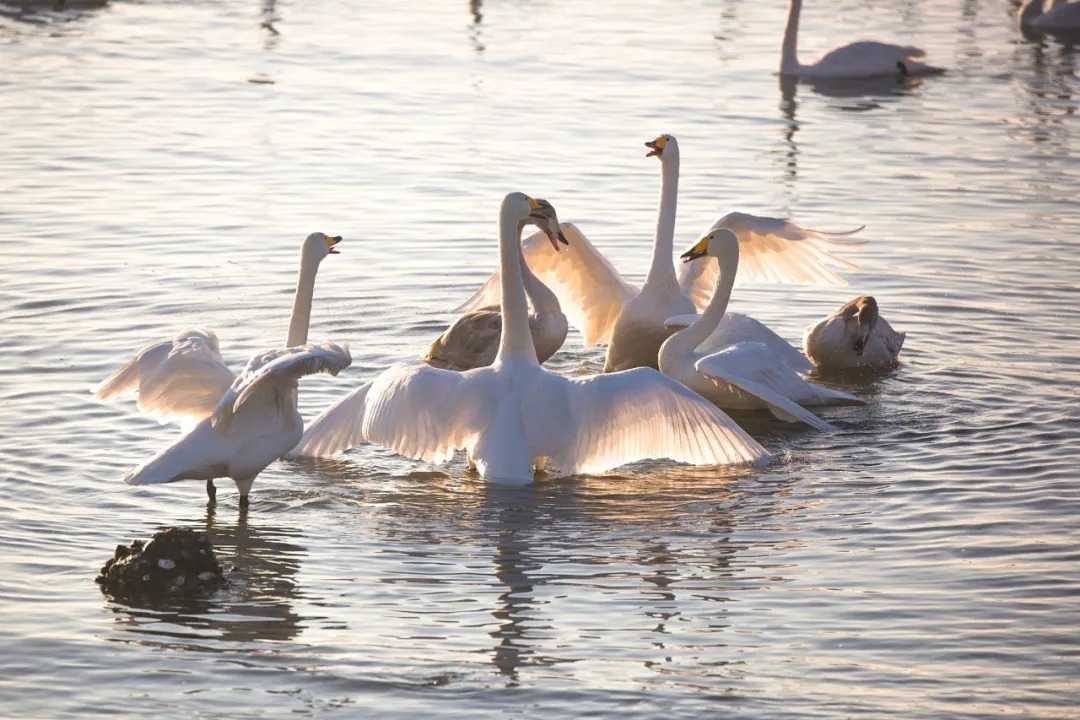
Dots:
{"x": 176, "y": 562}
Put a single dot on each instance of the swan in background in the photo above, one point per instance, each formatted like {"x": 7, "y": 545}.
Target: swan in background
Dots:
{"x": 254, "y": 423}
{"x": 183, "y": 377}
{"x": 853, "y": 337}
{"x": 862, "y": 59}
{"x": 744, "y": 375}
{"x": 630, "y": 320}
{"x": 473, "y": 339}
{"x": 1049, "y": 15}
{"x": 514, "y": 417}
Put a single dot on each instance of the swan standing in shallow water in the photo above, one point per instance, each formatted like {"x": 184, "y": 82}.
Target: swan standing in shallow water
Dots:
{"x": 854, "y": 337}
{"x": 473, "y": 339}
{"x": 182, "y": 378}
{"x": 746, "y": 374}
{"x": 254, "y": 423}
{"x": 1049, "y": 16}
{"x": 863, "y": 59}
{"x": 631, "y": 320}
{"x": 515, "y": 417}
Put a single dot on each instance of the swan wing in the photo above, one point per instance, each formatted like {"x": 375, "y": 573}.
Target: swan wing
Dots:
{"x": 426, "y": 413}
{"x": 869, "y": 53}
{"x": 472, "y": 341}
{"x": 735, "y": 328}
{"x": 176, "y": 378}
{"x": 277, "y": 372}
{"x": 589, "y": 288}
{"x": 771, "y": 250}
{"x": 338, "y": 428}
{"x": 636, "y": 414}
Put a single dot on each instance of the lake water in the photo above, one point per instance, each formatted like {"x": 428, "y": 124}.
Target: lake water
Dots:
{"x": 160, "y": 163}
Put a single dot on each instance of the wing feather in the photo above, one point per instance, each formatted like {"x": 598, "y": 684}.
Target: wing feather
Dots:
{"x": 338, "y": 428}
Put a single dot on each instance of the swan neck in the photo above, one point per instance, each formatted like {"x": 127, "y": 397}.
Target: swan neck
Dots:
{"x": 540, "y": 295}
{"x": 789, "y": 60}
{"x": 662, "y": 269}
{"x": 704, "y": 326}
{"x": 301, "y": 309}
{"x": 516, "y": 341}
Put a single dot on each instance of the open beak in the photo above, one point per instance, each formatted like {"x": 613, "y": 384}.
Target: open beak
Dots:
{"x": 700, "y": 249}
{"x": 654, "y": 149}
{"x": 556, "y": 237}
{"x": 331, "y": 242}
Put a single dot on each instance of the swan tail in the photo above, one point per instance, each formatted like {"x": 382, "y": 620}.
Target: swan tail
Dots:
{"x": 338, "y": 428}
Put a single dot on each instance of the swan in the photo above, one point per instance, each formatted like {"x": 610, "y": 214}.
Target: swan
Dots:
{"x": 744, "y": 375}
{"x": 183, "y": 377}
{"x": 1049, "y": 15}
{"x": 254, "y": 422}
{"x": 862, "y": 59}
{"x": 855, "y": 336}
{"x": 631, "y": 320}
{"x": 473, "y": 339}
{"x": 514, "y": 417}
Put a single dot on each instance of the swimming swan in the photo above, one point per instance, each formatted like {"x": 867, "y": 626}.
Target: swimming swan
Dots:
{"x": 745, "y": 374}
{"x": 515, "y": 417}
{"x": 1049, "y": 15}
{"x": 473, "y": 339}
{"x": 183, "y": 377}
{"x": 611, "y": 311}
{"x": 863, "y": 59}
{"x": 254, "y": 423}
{"x": 853, "y": 337}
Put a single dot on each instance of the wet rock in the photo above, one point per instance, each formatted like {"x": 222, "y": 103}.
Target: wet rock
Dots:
{"x": 176, "y": 562}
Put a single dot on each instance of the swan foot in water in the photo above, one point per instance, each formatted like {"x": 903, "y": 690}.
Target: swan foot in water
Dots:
{"x": 902, "y": 69}
{"x": 211, "y": 492}
{"x": 244, "y": 502}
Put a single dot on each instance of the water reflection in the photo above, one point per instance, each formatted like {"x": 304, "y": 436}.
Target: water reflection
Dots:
{"x": 267, "y": 17}
{"x": 1049, "y": 98}
{"x": 261, "y": 563}
{"x": 48, "y": 12}
{"x": 475, "y": 31}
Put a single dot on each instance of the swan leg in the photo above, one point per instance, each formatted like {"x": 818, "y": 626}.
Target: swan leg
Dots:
{"x": 244, "y": 502}
{"x": 211, "y": 492}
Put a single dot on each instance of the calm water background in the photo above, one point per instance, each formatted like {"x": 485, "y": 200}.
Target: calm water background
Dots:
{"x": 160, "y": 163}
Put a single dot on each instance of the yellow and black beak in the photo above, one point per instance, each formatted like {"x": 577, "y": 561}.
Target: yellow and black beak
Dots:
{"x": 331, "y": 242}
{"x": 656, "y": 146}
{"x": 700, "y": 249}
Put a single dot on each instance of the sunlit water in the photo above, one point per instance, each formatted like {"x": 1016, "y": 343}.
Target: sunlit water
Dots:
{"x": 159, "y": 165}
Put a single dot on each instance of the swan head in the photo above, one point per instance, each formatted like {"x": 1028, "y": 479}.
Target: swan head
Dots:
{"x": 318, "y": 245}
{"x": 542, "y": 215}
{"x": 719, "y": 242}
{"x": 662, "y": 143}
{"x": 863, "y": 312}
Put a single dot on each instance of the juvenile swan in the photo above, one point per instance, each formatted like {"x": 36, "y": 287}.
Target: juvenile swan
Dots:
{"x": 855, "y": 336}
{"x": 514, "y": 417}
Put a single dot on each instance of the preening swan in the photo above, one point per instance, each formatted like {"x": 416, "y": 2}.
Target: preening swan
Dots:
{"x": 611, "y": 311}
{"x": 254, "y": 423}
{"x": 515, "y": 417}
{"x": 1050, "y": 16}
{"x": 183, "y": 377}
{"x": 854, "y": 337}
{"x": 745, "y": 374}
{"x": 862, "y": 59}
{"x": 473, "y": 339}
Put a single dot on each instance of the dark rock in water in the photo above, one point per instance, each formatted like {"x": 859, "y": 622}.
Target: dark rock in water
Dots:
{"x": 176, "y": 562}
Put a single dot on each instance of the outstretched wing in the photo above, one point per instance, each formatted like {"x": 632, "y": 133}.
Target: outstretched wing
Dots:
{"x": 425, "y": 413}
{"x": 277, "y": 372}
{"x": 771, "y": 250}
{"x": 176, "y": 378}
{"x": 338, "y": 428}
{"x": 589, "y": 288}
{"x": 637, "y": 414}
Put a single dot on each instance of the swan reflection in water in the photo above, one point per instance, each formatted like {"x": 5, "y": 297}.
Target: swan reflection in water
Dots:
{"x": 260, "y": 563}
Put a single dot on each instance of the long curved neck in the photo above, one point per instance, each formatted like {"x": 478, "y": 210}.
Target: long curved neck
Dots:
{"x": 662, "y": 269}
{"x": 540, "y": 295}
{"x": 704, "y": 326}
{"x": 789, "y": 60}
{"x": 301, "y": 308}
{"x": 516, "y": 341}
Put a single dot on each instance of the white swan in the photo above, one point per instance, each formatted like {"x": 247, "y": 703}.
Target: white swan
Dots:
{"x": 745, "y": 374}
{"x": 254, "y": 423}
{"x": 854, "y": 337}
{"x": 515, "y": 417}
{"x": 611, "y": 311}
{"x": 183, "y": 377}
{"x": 862, "y": 59}
{"x": 1049, "y": 15}
{"x": 473, "y": 339}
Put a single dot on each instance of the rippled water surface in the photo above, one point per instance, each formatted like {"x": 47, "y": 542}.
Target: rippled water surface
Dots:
{"x": 160, "y": 163}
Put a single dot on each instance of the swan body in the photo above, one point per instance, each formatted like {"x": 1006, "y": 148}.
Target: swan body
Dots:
{"x": 253, "y": 423}
{"x": 746, "y": 374}
{"x": 854, "y": 337}
{"x": 472, "y": 341}
{"x": 861, "y": 59}
{"x": 514, "y": 417}
{"x": 631, "y": 320}
{"x": 1049, "y": 16}
{"x": 183, "y": 377}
